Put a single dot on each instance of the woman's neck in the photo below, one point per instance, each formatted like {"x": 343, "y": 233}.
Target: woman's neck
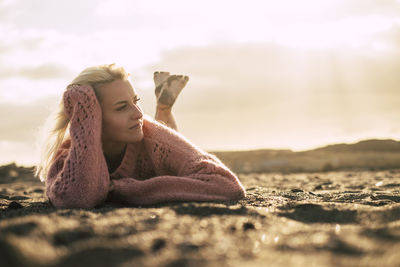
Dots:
{"x": 114, "y": 153}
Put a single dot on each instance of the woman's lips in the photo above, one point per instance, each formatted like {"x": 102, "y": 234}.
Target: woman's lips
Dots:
{"x": 136, "y": 126}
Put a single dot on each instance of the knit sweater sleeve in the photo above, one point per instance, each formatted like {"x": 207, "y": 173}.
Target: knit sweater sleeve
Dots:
{"x": 185, "y": 173}
{"x": 78, "y": 176}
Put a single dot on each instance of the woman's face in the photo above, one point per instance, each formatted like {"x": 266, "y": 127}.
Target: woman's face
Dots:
{"x": 122, "y": 116}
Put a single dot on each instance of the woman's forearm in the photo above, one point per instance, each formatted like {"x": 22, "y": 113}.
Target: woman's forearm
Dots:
{"x": 79, "y": 177}
{"x": 173, "y": 188}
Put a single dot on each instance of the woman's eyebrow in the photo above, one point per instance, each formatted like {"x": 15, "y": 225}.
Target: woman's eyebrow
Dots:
{"x": 124, "y": 101}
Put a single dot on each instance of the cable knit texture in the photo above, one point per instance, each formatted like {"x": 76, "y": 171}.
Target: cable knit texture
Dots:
{"x": 163, "y": 167}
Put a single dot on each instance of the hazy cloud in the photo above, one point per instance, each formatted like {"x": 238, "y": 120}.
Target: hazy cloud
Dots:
{"x": 15, "y": 44}
{"x": 43, "y": 71}
{"x": 244, "y": 72}
{"x": 266, "y": 90}
{"x": 21, "y": 122}
{"x": 7, "y": 10}
{"x": 370, "y": 7}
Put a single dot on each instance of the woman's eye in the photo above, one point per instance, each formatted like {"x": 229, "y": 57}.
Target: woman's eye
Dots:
{"x": 121, "y": 107}
{"x": 137, "y": 99}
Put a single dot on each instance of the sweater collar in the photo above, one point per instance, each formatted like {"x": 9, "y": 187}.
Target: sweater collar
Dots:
{"x": 130, "y": 156}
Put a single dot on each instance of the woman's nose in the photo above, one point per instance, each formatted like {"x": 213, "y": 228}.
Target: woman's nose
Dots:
{"x": 137, "y": 112}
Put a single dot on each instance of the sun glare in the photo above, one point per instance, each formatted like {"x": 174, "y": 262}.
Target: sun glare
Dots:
{"x": 354, "y": 32}
{"x": 303, "y": 24}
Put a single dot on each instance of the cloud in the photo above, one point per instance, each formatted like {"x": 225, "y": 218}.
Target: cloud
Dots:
{"x": 17, "y": 41}
{"x": 47, "y": 14}
{"x": 46, "y": 71}
{"x": 35, "y": 54}
{"x": 385, "y": 8}
{"x": 7, "y": 10}
{"x": 20, "y": 122}
{"x": 21, "y": 152}
{"x": 43, "y": 71}
{"x": 229, "y": 10}
{"x": 275, "y": 70}
{"x": 273, "y": 94}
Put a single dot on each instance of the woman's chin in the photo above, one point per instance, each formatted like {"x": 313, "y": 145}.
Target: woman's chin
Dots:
{"x": 137, "y": 137}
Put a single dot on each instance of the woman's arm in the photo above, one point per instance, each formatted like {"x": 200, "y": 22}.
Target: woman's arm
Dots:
{"x": 198, "y": 176}
{"x": 195, "y": 187}
{"x": 78, "y": 177}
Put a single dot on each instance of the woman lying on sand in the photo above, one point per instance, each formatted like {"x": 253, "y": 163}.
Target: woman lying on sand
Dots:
{"x": 114, "y": 153}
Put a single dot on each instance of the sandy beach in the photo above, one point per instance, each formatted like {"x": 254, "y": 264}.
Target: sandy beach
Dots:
{"x": 346, "y": 218}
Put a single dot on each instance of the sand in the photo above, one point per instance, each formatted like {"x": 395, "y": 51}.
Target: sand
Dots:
{"x": 347, "y": 218}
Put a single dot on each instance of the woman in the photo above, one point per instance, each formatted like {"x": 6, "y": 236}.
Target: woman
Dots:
{"x": 114, "y": 153}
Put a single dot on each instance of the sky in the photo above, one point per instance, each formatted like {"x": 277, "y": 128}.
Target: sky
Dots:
{"x": 285, "y": 74}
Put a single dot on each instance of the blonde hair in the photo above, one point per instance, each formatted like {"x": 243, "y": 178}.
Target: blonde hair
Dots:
{"x": 55, "y": 129}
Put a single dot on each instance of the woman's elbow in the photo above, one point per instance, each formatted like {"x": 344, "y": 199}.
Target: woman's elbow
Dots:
{"x": 69, "y": 203}
{"x": 68, "y": 200}
{"x": 238, "y": 193}
{"x": 235, "y": 191}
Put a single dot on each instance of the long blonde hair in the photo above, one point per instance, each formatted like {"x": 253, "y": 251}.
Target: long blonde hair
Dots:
{"x": 55, "y": 129}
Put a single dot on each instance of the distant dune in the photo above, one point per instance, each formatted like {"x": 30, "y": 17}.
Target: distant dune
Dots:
{"x": 371, "y": 154}
{"x": 372, "y": 145}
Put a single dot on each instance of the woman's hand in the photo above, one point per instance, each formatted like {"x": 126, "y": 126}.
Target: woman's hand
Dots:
{"x": 78, "y": 97}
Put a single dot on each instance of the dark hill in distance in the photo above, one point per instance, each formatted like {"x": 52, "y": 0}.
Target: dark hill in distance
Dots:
{"x": 373, "y": 154}
{"x": 372, "y": 145}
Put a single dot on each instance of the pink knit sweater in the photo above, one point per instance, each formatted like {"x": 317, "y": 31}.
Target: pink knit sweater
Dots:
{"x": 163, "y": 167}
